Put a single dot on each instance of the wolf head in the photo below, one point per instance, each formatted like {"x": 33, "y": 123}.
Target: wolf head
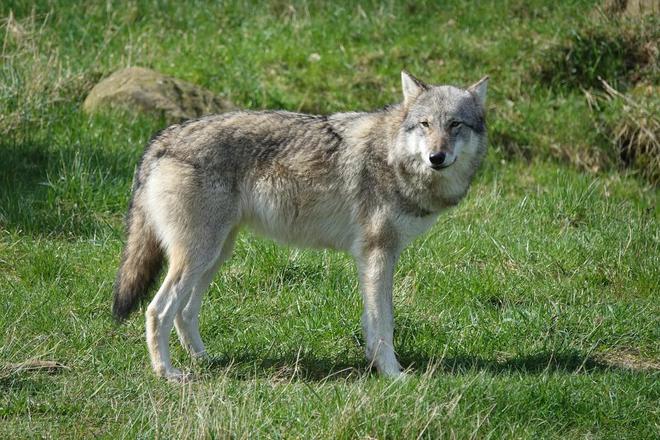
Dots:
{"x": 443, "y": 125}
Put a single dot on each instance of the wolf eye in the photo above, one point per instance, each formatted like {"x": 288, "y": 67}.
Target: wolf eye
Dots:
{"x": 455, "y": 124}
{"x": 424, "y": 124}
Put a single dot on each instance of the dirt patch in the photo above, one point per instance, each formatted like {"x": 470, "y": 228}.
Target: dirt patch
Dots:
{"x": 32, "y": 365}
{"x": 629, "y": 359}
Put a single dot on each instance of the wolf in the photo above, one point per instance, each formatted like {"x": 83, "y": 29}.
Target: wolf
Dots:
{"x": 366, "y": 183}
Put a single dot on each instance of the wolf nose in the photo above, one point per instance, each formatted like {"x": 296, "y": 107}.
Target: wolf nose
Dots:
{"x": 438, "y": 158}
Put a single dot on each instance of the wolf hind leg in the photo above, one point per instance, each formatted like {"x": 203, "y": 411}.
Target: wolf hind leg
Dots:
{"x": 160, "y": 313}
{"x": 190, "y": 262}
{"x": 186, "y": 321}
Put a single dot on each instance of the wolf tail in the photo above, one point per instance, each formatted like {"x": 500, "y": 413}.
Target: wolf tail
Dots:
{"x": 141, "y": 263}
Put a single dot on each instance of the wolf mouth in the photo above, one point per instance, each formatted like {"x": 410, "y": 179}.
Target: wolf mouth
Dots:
{"x": 443, "y": 166}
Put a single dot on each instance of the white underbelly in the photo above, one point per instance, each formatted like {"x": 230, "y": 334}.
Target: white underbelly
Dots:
{"x": 316, "y": 226}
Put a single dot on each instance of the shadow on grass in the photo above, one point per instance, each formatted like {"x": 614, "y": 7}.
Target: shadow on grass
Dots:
{"x": 70, "y": 173}
{"x": 28, "y": 379}
{"x": 308, "y": 368}
{"x": 311, "y": 368}
{"x": 569, "y": 362}
{"x": 45, "y": 191}
{"x": 301, "y": 367}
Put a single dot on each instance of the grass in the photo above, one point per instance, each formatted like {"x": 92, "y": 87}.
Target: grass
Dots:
{"x": 530, "y": 311}
{"x": 622, "y": 50}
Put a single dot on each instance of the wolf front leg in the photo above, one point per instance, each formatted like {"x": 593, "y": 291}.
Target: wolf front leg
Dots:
{"x": 376, "y": 271}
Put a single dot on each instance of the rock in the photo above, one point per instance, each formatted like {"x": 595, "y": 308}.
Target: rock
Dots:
{"x": 147, "y": 91}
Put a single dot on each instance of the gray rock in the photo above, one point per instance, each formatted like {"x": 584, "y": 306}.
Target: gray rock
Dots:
{"x": 147, "y": 91}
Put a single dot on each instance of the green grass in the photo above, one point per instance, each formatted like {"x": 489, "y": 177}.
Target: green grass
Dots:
{"x": 530, "y": 311}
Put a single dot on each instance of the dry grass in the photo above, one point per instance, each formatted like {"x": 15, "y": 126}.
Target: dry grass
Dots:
{"x": 614, "y": 61}
{"x": 632, "y": 125}
{"x": 631, "y": 8}
{"x": 621, "y": 50}
{"x": 33, "y": 77}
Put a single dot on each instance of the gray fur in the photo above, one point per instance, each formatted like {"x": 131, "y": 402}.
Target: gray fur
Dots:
{"x": 357, "y": 182}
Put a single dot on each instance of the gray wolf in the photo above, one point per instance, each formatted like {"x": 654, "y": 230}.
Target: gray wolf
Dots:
{"x": 365, "y": 183}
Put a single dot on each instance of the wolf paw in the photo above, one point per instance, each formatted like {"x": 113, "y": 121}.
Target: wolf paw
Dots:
{"x": 178, "y": 376}
{"x": 388, "y": 366}
{"x": 392, "y": 371}
{"x": 201, "y": 357}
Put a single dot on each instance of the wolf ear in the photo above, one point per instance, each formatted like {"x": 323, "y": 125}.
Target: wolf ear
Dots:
{"x": 479, "y": 89}
{"x": 411, "y": 87}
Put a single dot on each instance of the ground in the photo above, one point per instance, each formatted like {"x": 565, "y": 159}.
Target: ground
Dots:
{"x": 529, "y": 311}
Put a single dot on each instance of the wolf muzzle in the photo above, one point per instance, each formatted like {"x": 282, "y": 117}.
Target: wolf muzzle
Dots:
{"x": 441, "y": 160}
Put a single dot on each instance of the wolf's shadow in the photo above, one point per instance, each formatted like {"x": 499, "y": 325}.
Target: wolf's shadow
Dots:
{"x": 311, "y": 368}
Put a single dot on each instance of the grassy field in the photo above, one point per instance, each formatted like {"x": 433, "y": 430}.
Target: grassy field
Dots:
{"x": 530, "y": 311}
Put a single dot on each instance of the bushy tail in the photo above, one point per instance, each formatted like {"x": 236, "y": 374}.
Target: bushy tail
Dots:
{"x": 140, "y": 264}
